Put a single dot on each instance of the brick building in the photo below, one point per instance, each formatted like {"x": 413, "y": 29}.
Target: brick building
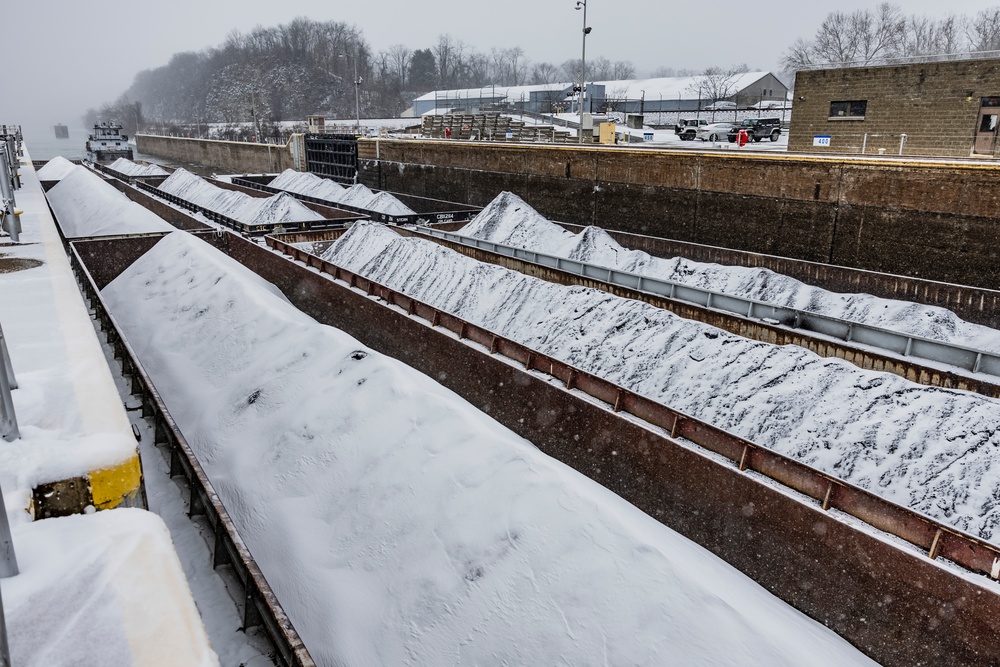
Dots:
{"x": 948, "y": 108}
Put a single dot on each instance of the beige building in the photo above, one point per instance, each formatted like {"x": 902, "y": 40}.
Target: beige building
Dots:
{"x": 947, "y": 108}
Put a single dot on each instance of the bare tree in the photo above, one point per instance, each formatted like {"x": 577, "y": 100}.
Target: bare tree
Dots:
{"x": 571, "y": 69}
{"x": 716, "y": 83}
{"x": 450, "y": 55}
{"x": 622, "y": 70}
{"x": 879, "y": 34}
{"x": 509, "y": 66}
{"x": 480, "y": 68}
{"x": 544, "y": 73}
{"x": 860, "y": 37}
{"x": 599, "y": 69}
{"x": 983, "y": 31}
{"x": 398, "y": 57}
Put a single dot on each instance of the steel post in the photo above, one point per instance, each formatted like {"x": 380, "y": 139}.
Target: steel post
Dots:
{"x": 4, "y": 648}
{"x": 8, "y": 367}
{"x": 8, "y": 562}
{"x": 6, "y": 193}
{"x": 8, "y": 420}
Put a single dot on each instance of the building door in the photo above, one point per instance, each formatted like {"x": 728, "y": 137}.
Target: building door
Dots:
{"x": 986, "y": 128}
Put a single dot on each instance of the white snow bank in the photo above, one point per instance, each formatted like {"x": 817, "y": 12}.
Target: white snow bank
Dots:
{"x": 125, "y": 166}
{"x": 358, "y": 195}
{"x": 87, "y": 206}
{"x": 239, "y": 206}
{"x": 70, "y": 416}
{"x": 56, "y": 169}
{"x": 398, "y": 525}
{"x": 508, "y": 220}
{"x": 935, "y": 450}
{"x": 103, "y": 589}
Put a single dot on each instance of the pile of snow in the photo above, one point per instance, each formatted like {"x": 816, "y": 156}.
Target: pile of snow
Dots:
{"x": 56, "y": 169}
{"x": 508, "y": 220}
{"x": 358, "y": 195}
{"x": 239, "y": 206}
{"x": 103, "y": 589}
{"x": 399, "y": 525}
{"x": 306, "y": 183}
{"x": 935, "y": 450}
{"x": 87, "y": 206}
{"x": 125, "y": 166}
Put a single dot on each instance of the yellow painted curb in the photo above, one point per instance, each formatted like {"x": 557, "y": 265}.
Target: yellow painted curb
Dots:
{"x": 110, "y": 487}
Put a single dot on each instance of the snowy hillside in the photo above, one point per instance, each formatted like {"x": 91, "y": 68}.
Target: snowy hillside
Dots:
{"x": 509, "y": 220}
{"x": 357, "y": 195}
{"x": 398, "y": 525}
{"x": 239, "y": 206}
{"x": 86, "y": 205}
{"x": 935, "y": 450}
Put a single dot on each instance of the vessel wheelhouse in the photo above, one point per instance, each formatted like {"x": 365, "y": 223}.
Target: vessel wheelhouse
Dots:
{"x": 107, "y": 143}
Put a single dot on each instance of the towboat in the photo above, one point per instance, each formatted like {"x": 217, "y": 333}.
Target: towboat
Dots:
{"x": 107, "y": 143}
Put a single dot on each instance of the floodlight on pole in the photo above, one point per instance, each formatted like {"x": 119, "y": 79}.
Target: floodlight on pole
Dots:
{"x": 357, "y": 91}
{"x": 582, "y": 4}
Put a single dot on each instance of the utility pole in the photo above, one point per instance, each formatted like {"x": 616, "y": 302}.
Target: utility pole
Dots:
{"x": 583, "y": 63}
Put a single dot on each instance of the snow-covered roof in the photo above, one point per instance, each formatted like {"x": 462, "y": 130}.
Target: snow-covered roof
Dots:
{"x": 665, "y": 87}
{"x": 492, "y": 92}
{"x": 684, "y": 87}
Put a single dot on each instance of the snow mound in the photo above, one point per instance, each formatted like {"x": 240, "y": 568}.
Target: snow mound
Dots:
{"x": 384, "y": 202}
{"x": 935, "y": 450}
{"x": 103, "y": 589}
{"x": 508, "y": 220}
{"x": 399, "y": 525}
{"x": 56, "y": 169}
{"x": 237, "y": 205}
{"x": 86, "y": 206}
{"x": 125, "y": 166}
{"x": 358, "y": 195}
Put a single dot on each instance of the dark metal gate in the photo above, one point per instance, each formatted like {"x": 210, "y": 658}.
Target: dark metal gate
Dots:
{"x": 334, "y": 155}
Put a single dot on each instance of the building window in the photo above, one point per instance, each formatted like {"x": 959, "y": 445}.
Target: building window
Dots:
{"x": 854, "y": 109}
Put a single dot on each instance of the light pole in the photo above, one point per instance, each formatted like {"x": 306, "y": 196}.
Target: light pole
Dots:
{"x": 357, "y": 92}
{"x": 583, "y": 62}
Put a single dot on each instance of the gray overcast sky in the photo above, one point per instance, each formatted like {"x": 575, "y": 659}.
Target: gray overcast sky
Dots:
{"x": 68, "y": 55}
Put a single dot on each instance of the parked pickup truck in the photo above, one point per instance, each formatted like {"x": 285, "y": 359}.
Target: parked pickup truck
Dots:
{"x": 686, "y": 128}
{"x": 758, "y": 128}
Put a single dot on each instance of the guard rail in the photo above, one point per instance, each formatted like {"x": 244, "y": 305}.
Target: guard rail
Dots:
{"x": 905, "y": 345}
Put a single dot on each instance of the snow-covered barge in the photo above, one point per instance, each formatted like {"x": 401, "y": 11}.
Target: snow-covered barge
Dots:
{"x": 414, "y": 210}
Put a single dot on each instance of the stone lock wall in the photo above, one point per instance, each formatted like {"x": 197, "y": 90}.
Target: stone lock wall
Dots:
{"x": 227, "y": 156}
{"x": 928, "y": 220}
{"x": 936, "y": 104}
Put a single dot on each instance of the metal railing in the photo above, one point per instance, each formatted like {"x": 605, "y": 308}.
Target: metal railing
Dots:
{"x": 905, "y": 345}
{"x": 926, "y": 533}
{"x": 902, "y": 60}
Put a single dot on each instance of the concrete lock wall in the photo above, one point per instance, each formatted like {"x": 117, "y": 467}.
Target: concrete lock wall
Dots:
{"x": 231, "y": 156}
{"x": 926, "y": 220}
